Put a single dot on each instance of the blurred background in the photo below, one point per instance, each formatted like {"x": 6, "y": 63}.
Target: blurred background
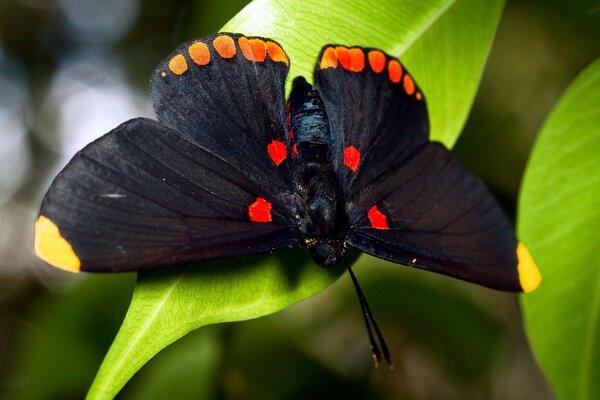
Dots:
{"x": 71, "y": 70}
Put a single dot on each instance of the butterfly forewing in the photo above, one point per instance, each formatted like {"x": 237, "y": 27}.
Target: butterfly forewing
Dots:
{"x": 377, "y": 113}
{"x": 225, "y": 92}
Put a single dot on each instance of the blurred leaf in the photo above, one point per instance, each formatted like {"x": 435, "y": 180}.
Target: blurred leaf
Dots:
{"x": 69, "y": 333}
{"x": 169, "y": 304}
{"x": 463, "y": 336}
{"x": 263, "y": 363}
{"x": 559, "y": 218}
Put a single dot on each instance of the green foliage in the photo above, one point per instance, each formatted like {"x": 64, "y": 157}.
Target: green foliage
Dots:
{"x": 444, "y": 43}
{"x": 559, "y": 218}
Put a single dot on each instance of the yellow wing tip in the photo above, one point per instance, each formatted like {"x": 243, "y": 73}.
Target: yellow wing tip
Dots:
{"x": 51, "y": 247}
{"x": 529, "y": 274}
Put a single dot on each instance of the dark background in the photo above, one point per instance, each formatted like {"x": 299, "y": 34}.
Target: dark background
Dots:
{"x": 70, "y": 70}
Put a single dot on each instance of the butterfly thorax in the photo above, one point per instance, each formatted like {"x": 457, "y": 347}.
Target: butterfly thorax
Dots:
{"x": 323, "y": 221}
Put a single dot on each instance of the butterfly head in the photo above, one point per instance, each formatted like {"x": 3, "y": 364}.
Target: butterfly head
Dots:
{"x": 326, "y": 253}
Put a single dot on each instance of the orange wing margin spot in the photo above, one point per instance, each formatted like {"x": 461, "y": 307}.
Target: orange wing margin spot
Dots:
{"x": 351, "y": 157}
{"x": 51, "y": 247}
{"x": 277, "y": 151}
{"x": 199, "y": 53}
{"x": 357, "y": 59}
{"x": 343, "y": 55}
{"x": 409, "y": 85}
{"x": 178, "y": 65}
{"x": 376, "y": 61}
{"x": 276, "y": 53}
{"x": 225, "y": 46}
{"x": 329, "y": 59}
{"x": 163, "y": 74}
{"x": 394, "y": 71}
{"x": 377, "y": 218}
{"x": 419, "y": 96}
{"x": 260, "y": 210}
{"x": 529, "y": 275}
{"x": 253, "y": 49}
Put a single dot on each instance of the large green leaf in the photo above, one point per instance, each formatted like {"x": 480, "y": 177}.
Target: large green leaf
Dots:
{"x": 444, "y": 43}
{"x": 559, "y": 219}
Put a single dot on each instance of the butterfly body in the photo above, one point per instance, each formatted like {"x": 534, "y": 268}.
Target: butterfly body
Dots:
{"x": 323, "y": 223}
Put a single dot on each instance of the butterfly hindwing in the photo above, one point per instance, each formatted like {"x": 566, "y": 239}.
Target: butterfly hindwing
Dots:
{"x": 225, "y": 92}
{"x": 377, "y": 113}
{"x": 432, "y": 213}
{"x": 143, "y": 196}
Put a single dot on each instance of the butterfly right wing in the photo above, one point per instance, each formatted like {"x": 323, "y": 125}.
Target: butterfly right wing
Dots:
{"x": 142, "y": 196}
{"x": 432, "y": 213}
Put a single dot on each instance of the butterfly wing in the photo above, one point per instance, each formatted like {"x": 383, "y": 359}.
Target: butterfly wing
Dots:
{"x": 409, "y": 200}
{"x": 205, "y": 182}
{"x": 377, "y": 113}
{"x": 225, "y": 92}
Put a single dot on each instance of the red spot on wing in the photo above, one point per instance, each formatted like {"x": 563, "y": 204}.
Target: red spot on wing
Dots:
{"x": 277, "y": 151}
{"x": 260, "y": 210}
{"x": 357, "y": 60}
{"x": 343, "y": 55}
{"x": 294, "y": 151}
{"x": 377, "y": 218}
{"x": 253, "y": 49}
{"x": 351, "y": 157}
{"x": 409, "y": 85}
{"x": 291, "y": 134}
{"x": 394, "y": 71}
{"x": 376, "y": 61}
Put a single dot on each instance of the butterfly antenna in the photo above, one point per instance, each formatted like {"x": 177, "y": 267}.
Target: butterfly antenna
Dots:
{"x": 377, "y": 349}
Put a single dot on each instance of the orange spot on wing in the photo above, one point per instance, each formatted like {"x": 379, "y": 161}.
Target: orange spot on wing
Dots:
{"x": 419, "y": 96}
{"x": 163, "y": 74}
{"x": 409, "y": 85}
{"x": 394, "y": 71}
{"x": 52, "y": 247}
{"x": 529, "y": 275}
{"x": 178, "y": 65}
{"x": 351, "y": 157}
{"x": 329, "y": 59}
{"x": 276, "y": 53}
{"x": 253, "y": 49}
{"x": 376, "y": 61}
{"x": 357, "y": 59}
{"x": 260, "y": 210}
{"x": 225, "y": 46}
{"x": 199, "y": 53}
{"x": 377, "y": 218}
{"x": 277, "y": 151}
{"x": 343, "y": 55}
{"x": 294, "y": 150}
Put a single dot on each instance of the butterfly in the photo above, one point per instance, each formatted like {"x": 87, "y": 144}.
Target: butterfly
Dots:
{"x": 231, "y": 168}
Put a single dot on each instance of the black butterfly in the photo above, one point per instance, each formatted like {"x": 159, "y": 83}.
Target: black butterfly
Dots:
{"x": 230, "y": 169}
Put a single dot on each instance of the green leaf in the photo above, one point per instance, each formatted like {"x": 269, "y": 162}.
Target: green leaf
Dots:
{"x": 559, "y": 220}
{"x": 444, "y": 43}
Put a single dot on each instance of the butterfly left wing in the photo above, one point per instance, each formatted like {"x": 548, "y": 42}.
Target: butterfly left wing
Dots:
{"x": 432, "y": 213}
{"x": 142, "y": 196}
